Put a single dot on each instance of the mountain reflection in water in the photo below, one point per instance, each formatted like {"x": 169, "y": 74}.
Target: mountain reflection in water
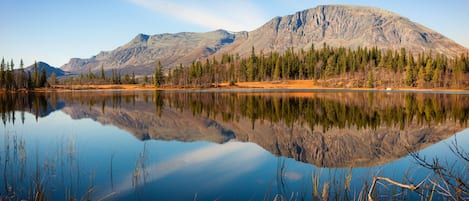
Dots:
{"x": 327, "y": 129}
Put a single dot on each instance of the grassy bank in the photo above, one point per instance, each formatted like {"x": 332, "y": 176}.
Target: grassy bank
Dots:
{"x": 287, "y": 84}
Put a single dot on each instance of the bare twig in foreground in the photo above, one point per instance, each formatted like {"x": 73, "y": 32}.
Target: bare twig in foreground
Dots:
{"x": 375, "y": 179}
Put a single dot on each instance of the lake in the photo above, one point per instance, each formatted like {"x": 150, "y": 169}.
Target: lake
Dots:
{"x": 227, "y": 145}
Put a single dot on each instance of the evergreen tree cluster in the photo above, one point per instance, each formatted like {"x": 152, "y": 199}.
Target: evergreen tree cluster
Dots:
{"x": 363, "y": 64}
{"x": 99, "y": 78}
{"x": 12, "y": 79}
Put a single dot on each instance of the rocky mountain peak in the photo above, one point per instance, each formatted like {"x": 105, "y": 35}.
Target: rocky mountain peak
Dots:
{"x": 343, "y": 25}
{"x": 140, "y": 38}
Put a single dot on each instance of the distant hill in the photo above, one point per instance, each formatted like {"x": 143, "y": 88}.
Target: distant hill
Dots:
{"x": 141, "y": 54}
{"x": 49, "y": 69}
{"x": 336, "y": 25}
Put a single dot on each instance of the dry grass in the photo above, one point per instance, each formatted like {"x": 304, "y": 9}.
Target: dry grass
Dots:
{"x": 286, "y": 84}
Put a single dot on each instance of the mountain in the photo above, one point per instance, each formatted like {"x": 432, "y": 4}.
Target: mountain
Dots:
{"x": 336, "y": 25}
{"x": 142, "y": 53}
{"x": 49, "y": 69}
{"x": 348, "y": 26}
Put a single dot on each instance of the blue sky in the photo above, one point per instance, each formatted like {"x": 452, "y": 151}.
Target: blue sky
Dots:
{"x": 57, "y": 30}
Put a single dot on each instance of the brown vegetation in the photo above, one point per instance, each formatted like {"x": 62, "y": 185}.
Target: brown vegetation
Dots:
{"x": 287, "y": 84}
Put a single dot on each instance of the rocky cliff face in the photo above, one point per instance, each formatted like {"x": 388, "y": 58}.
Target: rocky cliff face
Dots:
{"x": 336, "y": 25}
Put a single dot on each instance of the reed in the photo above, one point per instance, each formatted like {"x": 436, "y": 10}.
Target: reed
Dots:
{"x": 31, "y": 175}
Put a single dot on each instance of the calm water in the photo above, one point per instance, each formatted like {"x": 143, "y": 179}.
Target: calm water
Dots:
{"x": 223, "y": 145}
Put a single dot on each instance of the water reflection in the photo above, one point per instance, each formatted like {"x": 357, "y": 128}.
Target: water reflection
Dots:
{"x": 218, "y": 146}
{"x": 347, "y": 129}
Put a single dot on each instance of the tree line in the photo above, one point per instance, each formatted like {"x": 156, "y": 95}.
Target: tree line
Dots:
{"x": 366, "y": 65}
{"x": 114, "y": 77}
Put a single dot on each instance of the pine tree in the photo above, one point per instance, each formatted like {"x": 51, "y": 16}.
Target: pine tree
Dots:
{"x": 118, "y": 77}
{"x": 35, "y": 75}
{"x": 133, "y": 80}
{"x": 401, "y": 62}
{"x": 388, "y": 60}
{"x": 371, "y": 81}
{"x": 436, "y": 78}
{"x": 7, "y": 77}
{"x": 30, "y": 81}
{"x": 158, "y": 78}
{"x": 90, "y": 75}
{"x": 11, "y": 75}
{"x": 53, "y": 79}
{"x": 459, "y": 64}
{"x": 410, "y": 76}
{"x": 421, "y": 77}
{"x": 232, "y": 75}
{"x": 43, "y": 78}
{"x": 276, "y": 75}
{"x": 2, "y": 73}
{"x": 429, "y": 70}
{"x": 81, "y": 78}
{"x": 12, "y": 65}
{"x": 22, "y": 80}
{"x": 252, "y": 66}
{"x": 330, "y": 66}
{"x": 102, "y": 76}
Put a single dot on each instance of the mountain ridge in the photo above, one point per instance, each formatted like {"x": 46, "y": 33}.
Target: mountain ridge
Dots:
{"x": 348, "y": 26}
{"x": 48, "y": 68}
{"x": 145, "y": 50}
{"x": 336, "y": 25}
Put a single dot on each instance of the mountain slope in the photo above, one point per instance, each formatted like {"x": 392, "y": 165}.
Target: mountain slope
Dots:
{"x": 144, "y": 51}
{"x": 336, "y": 25}
{"x": 49, "y": 69}
{"x": 348, "y": 26}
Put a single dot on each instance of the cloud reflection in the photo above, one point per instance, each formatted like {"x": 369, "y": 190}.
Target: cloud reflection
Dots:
{"x": 221, "y": 163}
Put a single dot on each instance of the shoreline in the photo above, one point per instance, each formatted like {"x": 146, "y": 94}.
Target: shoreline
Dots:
{"x": 299, "y": 85}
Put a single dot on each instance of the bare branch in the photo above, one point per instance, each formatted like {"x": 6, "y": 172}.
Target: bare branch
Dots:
{"x": 376, "y": 179}
{"x": 455, "y": 148}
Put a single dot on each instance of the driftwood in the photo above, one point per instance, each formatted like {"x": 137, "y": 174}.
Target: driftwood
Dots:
{"x": 407, "y": 186}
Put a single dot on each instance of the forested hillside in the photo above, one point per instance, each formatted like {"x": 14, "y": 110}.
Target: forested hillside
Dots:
{"x": 363, "y": 67}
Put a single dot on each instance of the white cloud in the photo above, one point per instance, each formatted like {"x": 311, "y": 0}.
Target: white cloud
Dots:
{"x": 231, "y": 15}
